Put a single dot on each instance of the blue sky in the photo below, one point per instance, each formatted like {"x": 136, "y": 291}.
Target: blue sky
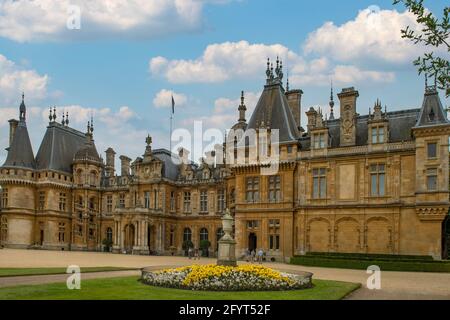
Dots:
{"x": 124, "y": 71}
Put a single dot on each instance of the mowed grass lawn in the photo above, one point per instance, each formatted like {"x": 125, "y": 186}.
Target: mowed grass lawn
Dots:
{"x": 130, "y": 288}
{"x": 13, "y": 272}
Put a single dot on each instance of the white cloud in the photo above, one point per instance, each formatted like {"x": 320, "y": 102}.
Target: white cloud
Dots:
{"x": 14, "y": 79}
{"x": 371, "y": 35}
{"x": 163, "y": 99}
{"x": 223, "y": 61}
{"x": 44, "y": 20}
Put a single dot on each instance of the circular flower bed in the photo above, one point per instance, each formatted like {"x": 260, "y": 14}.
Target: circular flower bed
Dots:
{"x": 223, "y": 278}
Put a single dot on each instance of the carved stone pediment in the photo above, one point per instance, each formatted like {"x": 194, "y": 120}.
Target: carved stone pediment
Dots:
{"x": 432, "y": 213}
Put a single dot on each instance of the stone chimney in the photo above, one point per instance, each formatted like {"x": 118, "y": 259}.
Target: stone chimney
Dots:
{"x": 312, "y": 117}
{"x": 348, "y": 97}
{"x": 294, "y": 98}
{"x": 12, "y": 129}
{"x": 110, "y": 160}
{"x": 125, "y": 165}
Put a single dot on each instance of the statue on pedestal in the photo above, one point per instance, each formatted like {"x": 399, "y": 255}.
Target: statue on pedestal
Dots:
{"x": 227, "y": 245}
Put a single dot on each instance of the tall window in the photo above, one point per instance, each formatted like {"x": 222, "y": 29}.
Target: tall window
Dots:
{"x": 62, "y": 201}
{"x": 432, "y": 179}
{"x": 187, "y": 202}
{"x": 172, "y": 201}
{"x": 109, "y": 202}
{"x": 377, "y": 134}
{"x": 203, "y": 201}
{"x": 432, "y": 150}
{"x": 41, "y": 204}
{"x": 62, "y": 232}
{"x": 155, "y": 199}
{"x": 4, "y": 198}
{"x": 3, "y": 229}
{"x": 274, "y": 188}
{"x": 319, "y": 140}
{"x": 147, "y": 199}
{"x": 319, "y": 183}
{"x": 187, "y": 235}
{"x": 274, "y": 234}
{"x": 221, "y": 200}
{"x": 122, "y": 200}
{"x": 172, "y": 237}
{"x": 109, "y": 235}
{"x": 377, "y": 180}
{"x": 203, "y": 234}
{"x": 252, "y": 189}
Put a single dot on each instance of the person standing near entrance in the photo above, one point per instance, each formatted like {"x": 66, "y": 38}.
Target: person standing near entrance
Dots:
{"x": 260, "y": 255}
{"x": 253, "y": 256}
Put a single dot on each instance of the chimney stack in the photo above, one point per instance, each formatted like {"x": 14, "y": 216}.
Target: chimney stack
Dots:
{"x": 12, "y": 129}
{"x": 125, "y": 165}
{"x": 110, "y": 160}
{"x": 294, "y": 98}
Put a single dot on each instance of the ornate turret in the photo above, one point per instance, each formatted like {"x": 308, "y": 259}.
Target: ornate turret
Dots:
{"x": 20, "y": 151}
{"x": 242, "y": 108}
{"x": 331, "y": 103}
{"x": 88, "y": 152}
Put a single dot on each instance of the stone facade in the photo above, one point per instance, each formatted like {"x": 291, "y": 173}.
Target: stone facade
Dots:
{"x": 359, "y": 184}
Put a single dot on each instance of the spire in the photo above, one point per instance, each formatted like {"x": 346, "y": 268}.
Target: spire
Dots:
{"x": 63, "y": 119}
{"x": 67, "y": 118}
{"x": 287, "y": 81}
{"x": 331, "y": 102}
{"x": 268, "y": 69}
{"x": 242, "y": 108}
{"x": 22, "y": 109}
{"x": 54, "y": 114}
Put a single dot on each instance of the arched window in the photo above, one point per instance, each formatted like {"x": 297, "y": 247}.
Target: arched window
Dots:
{"x": 109, "y": 235}
{"x": 187, "y": 235}
{"x": 203, "y": 234}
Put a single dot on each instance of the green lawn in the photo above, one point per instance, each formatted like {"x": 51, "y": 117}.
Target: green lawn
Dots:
{"x": 130, "y": 288}
{"x": 12, "y": 272}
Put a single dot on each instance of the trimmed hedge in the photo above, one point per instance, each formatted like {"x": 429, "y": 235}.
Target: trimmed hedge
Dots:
{"x": 362, "y": 264}
{"x": 369, "y": 256}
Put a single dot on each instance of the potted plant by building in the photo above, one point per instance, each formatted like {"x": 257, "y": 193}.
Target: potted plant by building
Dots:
{"x": 204, "y": 246}
{"x": 107, "y": 245}
{"x": 186, "y": 245}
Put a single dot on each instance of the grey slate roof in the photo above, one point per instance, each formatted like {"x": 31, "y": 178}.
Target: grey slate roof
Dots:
{"x": 400, "y": 125}
{"x": 170, "y": 169}
{"x": 59, "y": 147}
{"x": 20, "y": 153}
{"x": 88, "y": 151}
{"x": 273, "y": 109}
{"x": 432, "y": 112}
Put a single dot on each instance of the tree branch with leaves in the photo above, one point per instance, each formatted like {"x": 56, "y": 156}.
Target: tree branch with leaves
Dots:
{"x": 434, "y": 33}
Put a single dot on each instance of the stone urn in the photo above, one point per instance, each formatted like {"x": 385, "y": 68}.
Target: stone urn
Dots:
{"x": 227, "y": 245}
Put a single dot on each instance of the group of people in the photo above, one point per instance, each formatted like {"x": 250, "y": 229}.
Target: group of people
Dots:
{"x": 194, "y": 254}
{"x": 255, "y": 256}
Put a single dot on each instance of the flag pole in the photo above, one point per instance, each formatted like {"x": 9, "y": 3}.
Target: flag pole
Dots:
{"x": 171, "y": 118}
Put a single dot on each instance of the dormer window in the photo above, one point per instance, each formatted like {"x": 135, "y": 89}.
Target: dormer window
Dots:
{"x": 432, "y": 150}
{"x": 378, "y": 135}
{"x": 319, "y": 141}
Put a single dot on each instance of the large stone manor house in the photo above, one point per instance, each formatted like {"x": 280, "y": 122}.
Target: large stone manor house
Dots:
{"x": 373, "y": 183}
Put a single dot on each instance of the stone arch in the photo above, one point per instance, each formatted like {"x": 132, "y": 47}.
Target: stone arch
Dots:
{"x": 318, "y": 235}
{"x": 347, "y": 235}
{"x": 378, "y": 235}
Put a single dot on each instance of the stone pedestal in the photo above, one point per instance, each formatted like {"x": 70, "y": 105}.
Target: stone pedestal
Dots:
{"x": 227, "y": 253}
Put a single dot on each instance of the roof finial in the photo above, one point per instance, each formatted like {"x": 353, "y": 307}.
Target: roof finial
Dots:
{"x": 280, "y": 72}
{"x": 23, "y": 96}
{"x": 54, "y": 114}
{"x": 50, "y": 117}
{"x": 67, "y": 118}
{"x": 268, "y": 69}
{"x": 287, "y": 81}
{"x": 242, "y": 108}
{"x": 426, "y": 81}
{"x": 63, "y": 119}
{"x": 331, "y": 102}
{"x": 88, "y": 127}
{"x": 92, "y": 124}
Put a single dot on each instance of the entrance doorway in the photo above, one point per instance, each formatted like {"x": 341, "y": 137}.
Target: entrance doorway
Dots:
{"x": 252, "y": 241}
{"x": 129, "y": 238}
{"x": 446, "y": 238}
{"x": 41, "y": 237}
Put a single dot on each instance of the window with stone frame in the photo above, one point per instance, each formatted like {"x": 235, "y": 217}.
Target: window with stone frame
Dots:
{"x": 147, "y": 199}
{"x": 252, "y": 189}
{"x": 4, "y": 198}
{"x": 319, "y": 140}
{"x": 3, "y": 228}
{"x": 221, "y": 200}
{"x": 204, "y": 234}
{"x": 203, "y": 201}
{"x": 274, "y": 234}
{"x": 432, "y": 150}
{"x": 91, "y": 234}
{"x": 377, "y": 180}
{"x": 252, "y": 224}
{"x": 187, "y": 202}
{"x": 62, "y": 232}
{"x": 432, "y": 179}
{"x": 122, "y": 200}
{"x": 319, "y": 183}
{"x": 187, "y": 234}
{"x": 62, "y": 201}
{"x": 172, "y": 201}
{"x": 109, "y": 203}
{"x": 155, "y": 199}
{"x": 274, "y": 188}
{"x": 41, "y": 203}
{"x": 378, "y": 134}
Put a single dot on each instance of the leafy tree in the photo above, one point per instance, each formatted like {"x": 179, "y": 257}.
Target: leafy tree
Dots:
{"x": 435, "y": 33}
